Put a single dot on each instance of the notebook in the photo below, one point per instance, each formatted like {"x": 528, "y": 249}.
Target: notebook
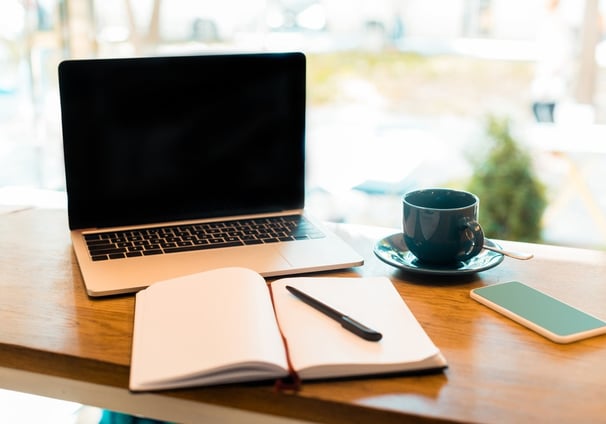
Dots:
{"x": 163, "y": 153}
{"x": 258, "y": 334}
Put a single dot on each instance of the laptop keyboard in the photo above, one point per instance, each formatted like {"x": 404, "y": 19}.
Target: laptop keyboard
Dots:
{"x": 212, "y": 235}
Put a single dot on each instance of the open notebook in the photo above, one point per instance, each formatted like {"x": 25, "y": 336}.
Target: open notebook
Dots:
{"x": 219, "y": 327}
{"x": 176, "y": 165}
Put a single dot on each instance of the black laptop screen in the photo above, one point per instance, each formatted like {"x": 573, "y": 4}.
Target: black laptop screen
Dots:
{"x": 171, "y": 138}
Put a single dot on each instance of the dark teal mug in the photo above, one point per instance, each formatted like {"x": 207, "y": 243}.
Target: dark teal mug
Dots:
{"x": 441, "y": 226}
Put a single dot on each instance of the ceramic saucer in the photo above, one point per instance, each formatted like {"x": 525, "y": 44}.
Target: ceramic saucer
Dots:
{"x": 393, "y": 251}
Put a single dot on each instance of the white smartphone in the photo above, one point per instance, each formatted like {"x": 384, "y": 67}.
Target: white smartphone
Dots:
{"x": 539, "y": 311}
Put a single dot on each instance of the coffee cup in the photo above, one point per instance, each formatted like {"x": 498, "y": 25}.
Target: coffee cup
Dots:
{"x": 440, "y": 225}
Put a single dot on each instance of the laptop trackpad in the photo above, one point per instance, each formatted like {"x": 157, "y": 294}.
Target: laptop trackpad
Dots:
{"x": 315, "y": 254}
{"x": 258, "y": 258}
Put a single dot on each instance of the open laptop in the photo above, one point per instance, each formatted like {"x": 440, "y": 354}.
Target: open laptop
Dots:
{"x": 164, "y": 154}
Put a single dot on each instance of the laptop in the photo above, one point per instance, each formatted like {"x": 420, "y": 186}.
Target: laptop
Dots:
{"x": 164, "y": 156}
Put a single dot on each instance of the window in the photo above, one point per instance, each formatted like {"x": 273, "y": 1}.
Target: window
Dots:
{"x": 398, "y": 91}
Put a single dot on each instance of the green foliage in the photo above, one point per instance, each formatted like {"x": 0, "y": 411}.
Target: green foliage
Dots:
{"x": 512, "y": 199}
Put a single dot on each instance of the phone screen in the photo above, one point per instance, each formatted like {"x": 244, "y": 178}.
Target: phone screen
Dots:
{"x": 546, "y": 315}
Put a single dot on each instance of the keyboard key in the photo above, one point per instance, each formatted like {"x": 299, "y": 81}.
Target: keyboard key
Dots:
{"x": 111, "y": 251}
{"x": 252, "y": 241}
{"x": 152, "y": 252}
{"x": 201, "y": 247}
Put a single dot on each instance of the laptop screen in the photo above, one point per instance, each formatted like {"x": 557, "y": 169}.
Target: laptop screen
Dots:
{"x": 172, "y": 138}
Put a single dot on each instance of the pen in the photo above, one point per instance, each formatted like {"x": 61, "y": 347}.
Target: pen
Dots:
{"x": 346, "y": 322}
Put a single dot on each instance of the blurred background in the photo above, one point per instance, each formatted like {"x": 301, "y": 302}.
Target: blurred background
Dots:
{"x": 401, "y": 93}
{"x": 507, "y": 97}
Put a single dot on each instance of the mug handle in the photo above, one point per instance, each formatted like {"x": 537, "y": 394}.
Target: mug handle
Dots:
{"x": 472, "y": 239}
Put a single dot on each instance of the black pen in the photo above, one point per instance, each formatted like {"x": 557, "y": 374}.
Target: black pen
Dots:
{"x": 347, "y": 322}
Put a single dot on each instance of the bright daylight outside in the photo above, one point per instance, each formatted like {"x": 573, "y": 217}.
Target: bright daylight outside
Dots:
{"x": 506, "y": 98}
{"x": 401, "y": 95}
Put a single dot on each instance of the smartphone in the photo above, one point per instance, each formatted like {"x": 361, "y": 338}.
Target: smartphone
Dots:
{"x": 540, "y": 312}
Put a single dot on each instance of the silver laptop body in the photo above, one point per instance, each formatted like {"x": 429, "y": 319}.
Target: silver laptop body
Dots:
{"x": 183, "y": 143}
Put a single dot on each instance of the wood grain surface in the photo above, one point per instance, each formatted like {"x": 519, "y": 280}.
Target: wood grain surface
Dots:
{"x": 498, "y": 370}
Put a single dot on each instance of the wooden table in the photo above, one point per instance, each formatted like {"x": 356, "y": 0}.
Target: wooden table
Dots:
{"x": 55, "y": 341}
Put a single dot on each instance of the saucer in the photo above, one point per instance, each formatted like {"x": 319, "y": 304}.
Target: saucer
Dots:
{"x": 393, "y": 251}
